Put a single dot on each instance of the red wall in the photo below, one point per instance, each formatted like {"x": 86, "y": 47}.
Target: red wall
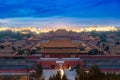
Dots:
{"x": 71, "y": 63}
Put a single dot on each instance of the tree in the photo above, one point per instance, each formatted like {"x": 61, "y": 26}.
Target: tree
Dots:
{"x": 58, "y": 76}
{"x": 42, "y": 78}
{"x": 64, "y": 77}
{"x": 1, "y": 77}
{"x": 54, "y": 77}
{"x": 32, "y": 52}
{"x": 106, "y": 48}
{"x": 22, "y": 78}
{"x": 95, "y": 73}
{"x": 93, "y": 52}
{"x": 14, "y": 78}
{"x": 82, "y": 48}
{"x": 98, "y": 43}
{"x": 78, "y": 69}
{"x": 39, "y": 71}
{"x": 26, "y": 52}
{"x": 20, "y": 51}
{"x": 13, "y": 48}
{"x": 2, "y": 47}
{"x": 117, "y": 42}
{"x": 38, "y": 48}
{"x": 82, "y": 76}
{"x": 103, "y": 45}
{"x": 51, "y": 78}
{"x": 103, "y": 37}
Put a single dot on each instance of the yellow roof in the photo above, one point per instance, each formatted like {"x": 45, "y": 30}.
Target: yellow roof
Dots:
{"x": 59, "y": 43}
{"x": 60, "y": 51}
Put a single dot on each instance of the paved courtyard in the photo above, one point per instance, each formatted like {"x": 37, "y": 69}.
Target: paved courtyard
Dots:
{"x": 70, "y": 74}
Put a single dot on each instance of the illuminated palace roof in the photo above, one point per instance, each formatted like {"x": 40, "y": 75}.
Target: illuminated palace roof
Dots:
{"x": 59, "y": 43}
{"x": 59, "y": 46}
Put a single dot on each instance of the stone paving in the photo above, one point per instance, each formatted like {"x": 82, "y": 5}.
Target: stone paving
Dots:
{"x": 70, "y": 74}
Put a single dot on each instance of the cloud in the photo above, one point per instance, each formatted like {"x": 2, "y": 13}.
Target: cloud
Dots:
{"x": 56, "y": 21}
{"x": 43, "y": 13}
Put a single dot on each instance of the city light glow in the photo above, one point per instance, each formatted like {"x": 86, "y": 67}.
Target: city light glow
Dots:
{"x": 36, "y": 30}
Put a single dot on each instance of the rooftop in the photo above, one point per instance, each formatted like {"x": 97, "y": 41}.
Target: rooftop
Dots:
{"x": 59, "y": 43}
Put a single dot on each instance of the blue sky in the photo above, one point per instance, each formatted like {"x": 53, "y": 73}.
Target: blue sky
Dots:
{"x": 55, "y": 12}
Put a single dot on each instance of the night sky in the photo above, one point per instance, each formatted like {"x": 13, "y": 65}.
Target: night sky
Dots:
{"x": 42, "y": 13}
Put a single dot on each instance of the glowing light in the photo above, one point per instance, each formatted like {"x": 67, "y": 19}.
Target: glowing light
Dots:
{"x": 46, "y": 30}
{"x": 4, "y": 29}
{"x": 61, "y": 72}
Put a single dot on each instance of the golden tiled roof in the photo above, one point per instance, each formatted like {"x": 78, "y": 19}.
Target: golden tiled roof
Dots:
{"x": 59, "y": 43}
{"x": 60, "y": 51}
